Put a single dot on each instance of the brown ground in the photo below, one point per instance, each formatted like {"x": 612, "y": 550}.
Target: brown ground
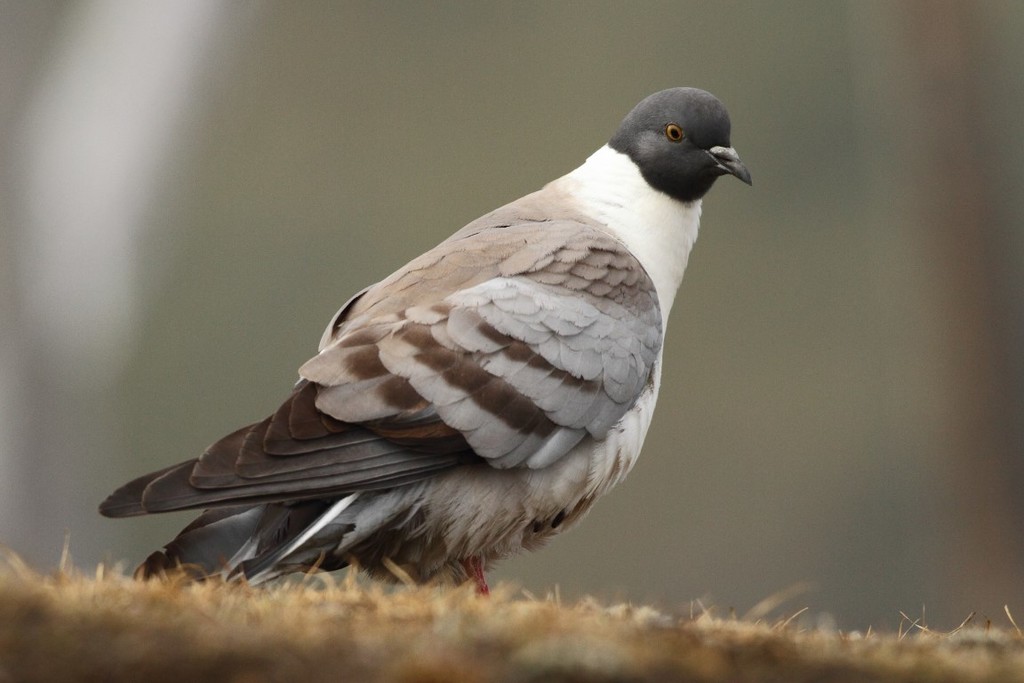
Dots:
{"x": 109, "y": 628}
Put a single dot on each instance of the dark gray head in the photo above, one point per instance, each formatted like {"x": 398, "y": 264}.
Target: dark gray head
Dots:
{"x": 679, "y": 138}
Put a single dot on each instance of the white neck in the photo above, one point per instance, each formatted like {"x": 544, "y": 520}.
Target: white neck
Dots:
{"x": 657, "y": 229}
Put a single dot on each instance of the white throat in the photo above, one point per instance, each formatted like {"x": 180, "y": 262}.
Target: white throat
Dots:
{"x": 657, "y": 229}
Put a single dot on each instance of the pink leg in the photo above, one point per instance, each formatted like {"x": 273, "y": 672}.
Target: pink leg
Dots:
{"x": 474, "y": 566}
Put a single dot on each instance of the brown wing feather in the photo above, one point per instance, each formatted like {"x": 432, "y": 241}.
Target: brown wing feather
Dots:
{"x": 343, "y": 459}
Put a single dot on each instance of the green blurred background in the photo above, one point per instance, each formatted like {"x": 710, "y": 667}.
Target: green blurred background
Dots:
{"x": 189, "y": 189}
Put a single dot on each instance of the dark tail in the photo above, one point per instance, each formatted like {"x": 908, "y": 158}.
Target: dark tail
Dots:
{"x": 235, "y": 541}
{"x": 207, "y": 546}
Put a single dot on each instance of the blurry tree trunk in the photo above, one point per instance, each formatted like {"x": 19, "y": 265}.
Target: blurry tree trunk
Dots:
{"x": 103, "y": 88}
{"x": 951, "y": 171}
{"x": 25, "y": 34}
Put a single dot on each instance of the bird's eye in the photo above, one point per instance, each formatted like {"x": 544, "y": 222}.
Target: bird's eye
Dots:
{"x": 673, "y": 132}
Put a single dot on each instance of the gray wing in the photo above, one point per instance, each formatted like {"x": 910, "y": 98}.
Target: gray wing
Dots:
{"x": 508, "y": 344}
{"x": 555, "y": 344}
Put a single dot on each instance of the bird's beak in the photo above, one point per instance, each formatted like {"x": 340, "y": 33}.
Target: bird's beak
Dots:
{"x": 729, "y": 162}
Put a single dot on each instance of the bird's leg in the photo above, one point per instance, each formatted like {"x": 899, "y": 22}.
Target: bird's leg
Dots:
{"x": 474, "y": 566}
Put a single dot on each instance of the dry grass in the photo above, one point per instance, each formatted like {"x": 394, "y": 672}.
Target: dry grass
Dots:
{"x": 68, "y": 627}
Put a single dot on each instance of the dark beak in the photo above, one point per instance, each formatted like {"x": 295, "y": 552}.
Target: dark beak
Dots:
{"x": 729, "y": 162}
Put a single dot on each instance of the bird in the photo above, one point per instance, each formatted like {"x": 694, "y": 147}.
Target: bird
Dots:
{"x": 479, "y": 400}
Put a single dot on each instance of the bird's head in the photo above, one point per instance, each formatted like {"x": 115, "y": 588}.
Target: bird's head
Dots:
{"x": 679, "y": 139}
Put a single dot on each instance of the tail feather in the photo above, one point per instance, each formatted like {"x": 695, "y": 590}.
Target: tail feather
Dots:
{"x": 206, "y": 546}
{"x": 341, "y": 532}
{"x": 261, "y": 567}
{"x": 249, "y": 541}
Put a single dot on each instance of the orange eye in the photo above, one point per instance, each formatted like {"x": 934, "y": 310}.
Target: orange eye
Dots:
{"x": 673, "y": 132}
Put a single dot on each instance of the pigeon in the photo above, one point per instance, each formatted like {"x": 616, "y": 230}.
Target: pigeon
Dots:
{"x": 480, "y": 399}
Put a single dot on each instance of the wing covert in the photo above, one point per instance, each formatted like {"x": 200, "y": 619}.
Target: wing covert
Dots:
{"x": 550, "y": 340}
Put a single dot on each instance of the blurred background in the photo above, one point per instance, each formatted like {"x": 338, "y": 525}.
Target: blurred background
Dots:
{"x": 189, "y": 189}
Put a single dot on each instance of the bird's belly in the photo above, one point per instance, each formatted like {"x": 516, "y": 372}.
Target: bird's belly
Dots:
{"x": 494, "y": 513}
